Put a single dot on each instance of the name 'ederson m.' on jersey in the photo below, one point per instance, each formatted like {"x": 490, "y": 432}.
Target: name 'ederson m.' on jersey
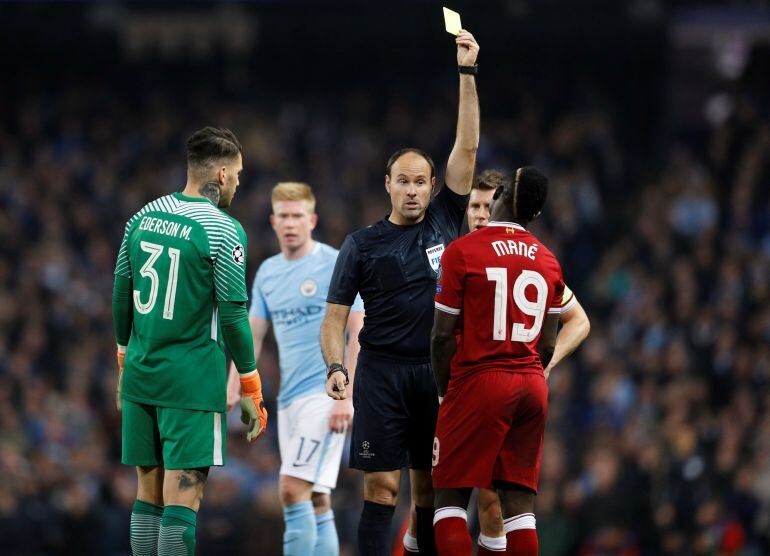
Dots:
{"x": 184, "y": 256}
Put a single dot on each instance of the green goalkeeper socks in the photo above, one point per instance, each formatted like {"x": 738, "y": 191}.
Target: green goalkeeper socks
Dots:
{"x": 145, "y": 526}
{"x": 177, "y": 532}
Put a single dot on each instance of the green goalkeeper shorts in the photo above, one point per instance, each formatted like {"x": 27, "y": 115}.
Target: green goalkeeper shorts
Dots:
{"x": 173, "y": 438}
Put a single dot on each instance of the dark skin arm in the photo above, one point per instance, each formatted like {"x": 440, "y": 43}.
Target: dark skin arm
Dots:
{"x": 442, "y": 348}
{"x": 547, "y": 342}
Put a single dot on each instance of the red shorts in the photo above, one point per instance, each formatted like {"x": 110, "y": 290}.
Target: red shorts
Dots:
{"x": 490, "y": 428}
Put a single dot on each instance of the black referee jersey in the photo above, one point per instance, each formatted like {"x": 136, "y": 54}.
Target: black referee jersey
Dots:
{"x": 394, "y": 269}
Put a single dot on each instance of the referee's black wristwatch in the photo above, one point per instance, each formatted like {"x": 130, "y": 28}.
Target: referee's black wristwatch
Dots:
{"x": 333, "y": 368}
{"x": 470, "y": 70}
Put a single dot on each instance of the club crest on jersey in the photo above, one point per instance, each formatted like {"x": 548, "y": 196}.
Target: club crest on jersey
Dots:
{"x": 434, "y": 256}
{"x": 308, "y": 288}
{"x": 510, "y": 230}
{"x": 238, "y": 254}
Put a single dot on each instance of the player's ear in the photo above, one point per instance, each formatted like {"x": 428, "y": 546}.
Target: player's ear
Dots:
{"x": 433, "y": 182}
{"x": 221, "y": 175}
{"x": 387, "y": 183}
{"x": 272, "y": 221}
{"x": 313, "y": 221}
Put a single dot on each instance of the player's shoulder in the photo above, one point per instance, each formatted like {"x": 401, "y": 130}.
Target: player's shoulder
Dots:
{"x": 234, "y": 221}
{"x": 229, "y": 221}
{"x": 271, "y": 264}
{"x": 165, "y": 203}
{"x": 324, "y": 251}
{"x": 545, "y": 255}
{"x": 541, "y": 247}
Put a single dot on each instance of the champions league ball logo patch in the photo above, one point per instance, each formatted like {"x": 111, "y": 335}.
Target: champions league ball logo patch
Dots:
{"x": 365, "y": 453}
{"x": 238, "y": 254}
{"x": 308, "y": 288}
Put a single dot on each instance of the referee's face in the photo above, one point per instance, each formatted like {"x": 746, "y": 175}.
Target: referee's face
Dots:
{"x": 410, "y": 186}
{"x": 293, "y": 222}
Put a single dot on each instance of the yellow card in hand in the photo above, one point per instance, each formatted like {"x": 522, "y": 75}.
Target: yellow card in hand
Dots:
{"x": 452, "y": 21}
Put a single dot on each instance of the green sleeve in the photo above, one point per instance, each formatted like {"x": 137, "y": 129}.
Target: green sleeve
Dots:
{"x": 236, "y": 333}
{"x": 122, "y": 309}
{"x": 230, "y": 263}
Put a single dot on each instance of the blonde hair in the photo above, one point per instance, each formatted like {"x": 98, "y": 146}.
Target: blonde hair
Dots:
{"x": 293, "y": 191}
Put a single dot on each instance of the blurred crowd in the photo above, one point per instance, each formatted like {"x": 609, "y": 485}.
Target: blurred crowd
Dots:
{"x": 659, "y": 429}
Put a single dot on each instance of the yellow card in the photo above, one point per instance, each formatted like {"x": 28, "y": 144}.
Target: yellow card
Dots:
{"x": 452, "y": 21}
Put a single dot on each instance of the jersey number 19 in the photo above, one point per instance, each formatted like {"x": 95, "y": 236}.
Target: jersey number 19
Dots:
{"x": 148, "y": 271}
{"x": 537, "y": 308}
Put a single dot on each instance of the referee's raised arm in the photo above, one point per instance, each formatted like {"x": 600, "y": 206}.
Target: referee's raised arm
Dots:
{"x": 462, "y": 159}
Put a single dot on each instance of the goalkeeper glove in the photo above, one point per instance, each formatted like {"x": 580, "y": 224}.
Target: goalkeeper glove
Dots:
{"x": 121, "y": 358}
{"x": 253, "y": 412}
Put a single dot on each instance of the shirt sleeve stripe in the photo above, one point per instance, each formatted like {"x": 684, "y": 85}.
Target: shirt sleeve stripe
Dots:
{"x": 564, "y": 308}
{"x": 569, "y": 305}
{"x": 447, "y": 309}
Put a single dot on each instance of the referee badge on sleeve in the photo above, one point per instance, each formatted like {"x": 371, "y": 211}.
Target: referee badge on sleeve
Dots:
{"x": 434, "y": 256}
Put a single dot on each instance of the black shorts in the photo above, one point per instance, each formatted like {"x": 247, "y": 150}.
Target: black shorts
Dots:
{"x": 396, "y": 406}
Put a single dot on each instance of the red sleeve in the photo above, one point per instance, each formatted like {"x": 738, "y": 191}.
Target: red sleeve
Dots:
{"x": 449, "y": 288}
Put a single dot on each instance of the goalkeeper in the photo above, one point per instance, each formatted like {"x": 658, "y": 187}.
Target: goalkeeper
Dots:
{"x": 179, "y": 297}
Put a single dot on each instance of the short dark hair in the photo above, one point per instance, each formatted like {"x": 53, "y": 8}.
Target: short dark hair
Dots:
{"x": 207, "y": 145}
{"x": 488, "y": 180}
{"x": 401, "y": 152}
{"x": 525, "y": 190}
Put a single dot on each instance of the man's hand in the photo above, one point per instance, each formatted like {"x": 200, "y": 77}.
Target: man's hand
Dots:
{"x": 121, "y": 359}
{"x": 337, "y": 384}
{"x": 342, "y": 416}
{"x": 547, "y": 371}
{"x": 467, "y": 49}
{"x": 253, "y": 412}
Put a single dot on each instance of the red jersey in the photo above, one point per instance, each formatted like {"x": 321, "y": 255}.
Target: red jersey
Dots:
{"x": 502, "y": 282}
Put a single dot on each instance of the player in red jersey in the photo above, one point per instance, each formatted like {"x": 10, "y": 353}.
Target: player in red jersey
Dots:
{"x": 503, "y": 291}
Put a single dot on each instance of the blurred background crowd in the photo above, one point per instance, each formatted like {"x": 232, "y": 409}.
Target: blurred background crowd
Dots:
{"x": 651, "y": 119}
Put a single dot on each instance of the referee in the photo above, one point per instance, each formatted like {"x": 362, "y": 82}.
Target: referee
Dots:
{"x": 393, "y": 265}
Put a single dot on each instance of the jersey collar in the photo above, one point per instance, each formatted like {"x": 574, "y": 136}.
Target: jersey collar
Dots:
{"x": 507, "y": 225}
{"x": 182, "y": 197}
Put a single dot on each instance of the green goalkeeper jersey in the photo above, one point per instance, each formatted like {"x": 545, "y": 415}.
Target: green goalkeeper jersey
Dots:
{"x": 183, "y": 256}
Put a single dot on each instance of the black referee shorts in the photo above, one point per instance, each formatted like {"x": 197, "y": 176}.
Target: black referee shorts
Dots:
{"x": 396, "y": 406}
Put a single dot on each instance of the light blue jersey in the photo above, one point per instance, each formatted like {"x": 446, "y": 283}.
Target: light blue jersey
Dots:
{"x": 292, "y": 294}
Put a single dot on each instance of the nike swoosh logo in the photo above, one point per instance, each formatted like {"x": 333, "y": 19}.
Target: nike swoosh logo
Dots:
{"x": 300, "y": 464}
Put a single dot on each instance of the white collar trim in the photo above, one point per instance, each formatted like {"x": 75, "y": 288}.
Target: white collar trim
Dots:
{"x": 507, "y": 225}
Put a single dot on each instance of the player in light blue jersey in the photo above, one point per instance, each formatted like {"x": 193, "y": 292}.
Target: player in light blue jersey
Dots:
{"x": 290, "y": 291}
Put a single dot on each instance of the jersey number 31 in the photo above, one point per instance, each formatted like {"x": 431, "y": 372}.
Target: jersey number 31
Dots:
{"x": 148, "y": 271}
{"x": 537, "y": 308}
